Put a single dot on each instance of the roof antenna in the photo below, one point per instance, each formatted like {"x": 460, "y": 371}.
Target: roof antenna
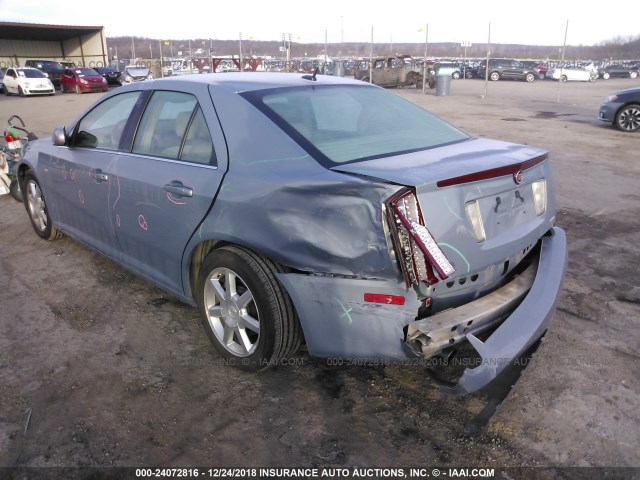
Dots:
{"x": 312, "y": 77}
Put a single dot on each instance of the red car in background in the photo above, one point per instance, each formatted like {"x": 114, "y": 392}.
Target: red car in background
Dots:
{"x": 81, "y": 80}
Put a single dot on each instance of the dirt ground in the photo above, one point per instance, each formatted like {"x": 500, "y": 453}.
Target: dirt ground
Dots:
{"x": 99, "y": 368}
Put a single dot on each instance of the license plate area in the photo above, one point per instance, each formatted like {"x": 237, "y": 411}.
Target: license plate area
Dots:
{"x": 507, "y": 210}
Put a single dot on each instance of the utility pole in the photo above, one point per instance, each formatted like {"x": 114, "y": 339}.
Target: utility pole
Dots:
{"x": 241, "y": 60}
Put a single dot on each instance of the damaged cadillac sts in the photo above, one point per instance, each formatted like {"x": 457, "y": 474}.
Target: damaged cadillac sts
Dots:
{"x": 310, "y": 209}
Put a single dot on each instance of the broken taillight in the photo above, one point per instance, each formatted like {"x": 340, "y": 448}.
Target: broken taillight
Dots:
{"x": 417, "y": 250}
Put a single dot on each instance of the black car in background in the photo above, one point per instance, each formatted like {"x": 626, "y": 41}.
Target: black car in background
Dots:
{"x": 506, "y": 69}
{"x": 52, "y": 68}
{"x": 110, "y": 74}
{"x": 618, "y": 70}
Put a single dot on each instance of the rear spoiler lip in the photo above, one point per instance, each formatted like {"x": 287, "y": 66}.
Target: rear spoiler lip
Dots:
{"x": 494, "y": 172}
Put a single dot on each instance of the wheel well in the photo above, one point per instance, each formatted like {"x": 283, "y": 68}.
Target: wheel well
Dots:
{"x": 626, "y": 105}
{"x": 20, "y": 174}
{"x": 205, "y": 248}
{"x": 197, "y": 257}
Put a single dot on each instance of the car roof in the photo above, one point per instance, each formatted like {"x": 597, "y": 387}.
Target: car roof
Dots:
{"x": 244, "y": 81}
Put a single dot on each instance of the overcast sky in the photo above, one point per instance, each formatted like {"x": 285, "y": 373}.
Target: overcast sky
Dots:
{"x": 538, "y": 22}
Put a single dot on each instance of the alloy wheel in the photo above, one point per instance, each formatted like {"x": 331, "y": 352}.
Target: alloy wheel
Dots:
{"x": 232, "y": 312}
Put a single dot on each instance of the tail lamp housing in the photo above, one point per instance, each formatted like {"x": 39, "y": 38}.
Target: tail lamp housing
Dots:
{"x": 419, "y": 255}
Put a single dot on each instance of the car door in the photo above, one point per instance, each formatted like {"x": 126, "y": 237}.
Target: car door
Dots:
{"x": 10, "y": 81}
{"x": 166, "y": 185}
{"x": 512, "y": 69}
{"x": 79, "y": 174}
{"x": 66, "y": 79}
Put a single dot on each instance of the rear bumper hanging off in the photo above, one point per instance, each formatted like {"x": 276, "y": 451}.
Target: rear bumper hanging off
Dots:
{"x": 536, "y": 290}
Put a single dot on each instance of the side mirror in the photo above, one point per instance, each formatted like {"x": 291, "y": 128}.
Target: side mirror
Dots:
{"x": 59, "y": 136}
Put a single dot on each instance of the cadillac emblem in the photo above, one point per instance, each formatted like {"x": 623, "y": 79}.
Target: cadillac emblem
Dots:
{"x": 517, "y": 177}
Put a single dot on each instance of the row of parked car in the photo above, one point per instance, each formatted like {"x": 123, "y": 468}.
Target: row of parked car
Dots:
{"x": 508, "y": 68}
{"x": 43, "y": 77}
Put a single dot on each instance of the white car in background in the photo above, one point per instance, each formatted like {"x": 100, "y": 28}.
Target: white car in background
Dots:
{"x": 27, "y": 81}
{"x": 585, "y": 74}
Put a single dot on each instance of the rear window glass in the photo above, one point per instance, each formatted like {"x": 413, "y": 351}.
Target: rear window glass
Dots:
{"x": 347, "y": 123}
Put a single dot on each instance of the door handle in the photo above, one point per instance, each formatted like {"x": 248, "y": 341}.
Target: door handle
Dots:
{"x": 98, "y": 176}
{"x": 179, "y": 189}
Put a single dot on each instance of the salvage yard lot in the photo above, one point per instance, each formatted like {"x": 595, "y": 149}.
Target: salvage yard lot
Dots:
{"x": 99, "y": 368}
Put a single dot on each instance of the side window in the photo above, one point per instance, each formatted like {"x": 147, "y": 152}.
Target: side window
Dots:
{"x": 198, "y": 146}
{"x": 173, "y": 126}
{"x": 102, "y": 127}
{"x": 164, "y": 123}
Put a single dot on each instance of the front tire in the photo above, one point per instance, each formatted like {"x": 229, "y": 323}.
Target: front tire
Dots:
{"x": 78, "y": 91}
{"x": 563, "y": 78}
{"x": 529, "y": 77}
{"x": 633, "y": 75}
{"x": 628, "y": 118}
{"x": 494, "y": 77}
{"x": 37, "y": 209}
{"x": 246, "y": 312}
{"x": 606, "y": 75}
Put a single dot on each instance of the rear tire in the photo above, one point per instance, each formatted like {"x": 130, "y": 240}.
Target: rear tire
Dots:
{"x": 36, "y": 206}
{"x": 494, "y": 76}
{"x": 563, "y": 78}
{"x": 529, "y": 77}
{"x": 246, "y": 312}
{"x": 455, "y": 75}
{"x": 606, "y": 75}
{"x": 633, "y": 75}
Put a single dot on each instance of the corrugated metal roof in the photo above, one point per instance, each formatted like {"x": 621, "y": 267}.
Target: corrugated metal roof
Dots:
{"x": 37, "y": 31}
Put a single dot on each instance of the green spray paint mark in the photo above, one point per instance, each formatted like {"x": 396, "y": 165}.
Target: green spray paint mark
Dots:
{"x": 446, "y": 202}
{"x": 459, "y": 253}
{"x": 347, "y": 311}
{"x": 274, "y": 160}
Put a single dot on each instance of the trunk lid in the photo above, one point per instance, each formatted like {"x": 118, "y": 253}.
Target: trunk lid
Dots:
{"x": 498, "y": 177}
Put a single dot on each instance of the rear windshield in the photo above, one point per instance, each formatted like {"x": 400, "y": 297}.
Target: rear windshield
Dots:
{"x": 139, "y": 71}
{"x": 339, "y": 124}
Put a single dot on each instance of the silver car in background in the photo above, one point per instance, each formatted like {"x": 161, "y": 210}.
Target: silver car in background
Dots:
{"x": 300, "y": 208}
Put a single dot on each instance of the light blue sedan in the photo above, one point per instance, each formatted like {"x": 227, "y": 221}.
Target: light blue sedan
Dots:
{"x": 300, "y": 208}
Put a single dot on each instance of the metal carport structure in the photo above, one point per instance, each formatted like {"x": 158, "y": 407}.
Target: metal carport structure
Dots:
{"x": 82, "y": 45}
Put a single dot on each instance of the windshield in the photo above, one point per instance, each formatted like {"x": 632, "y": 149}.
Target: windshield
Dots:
{"x": 346, "y": 123}
{"x": 31, "y": 73}
{"x": 81, "y": 72}
{"x": 52, "y": 65}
